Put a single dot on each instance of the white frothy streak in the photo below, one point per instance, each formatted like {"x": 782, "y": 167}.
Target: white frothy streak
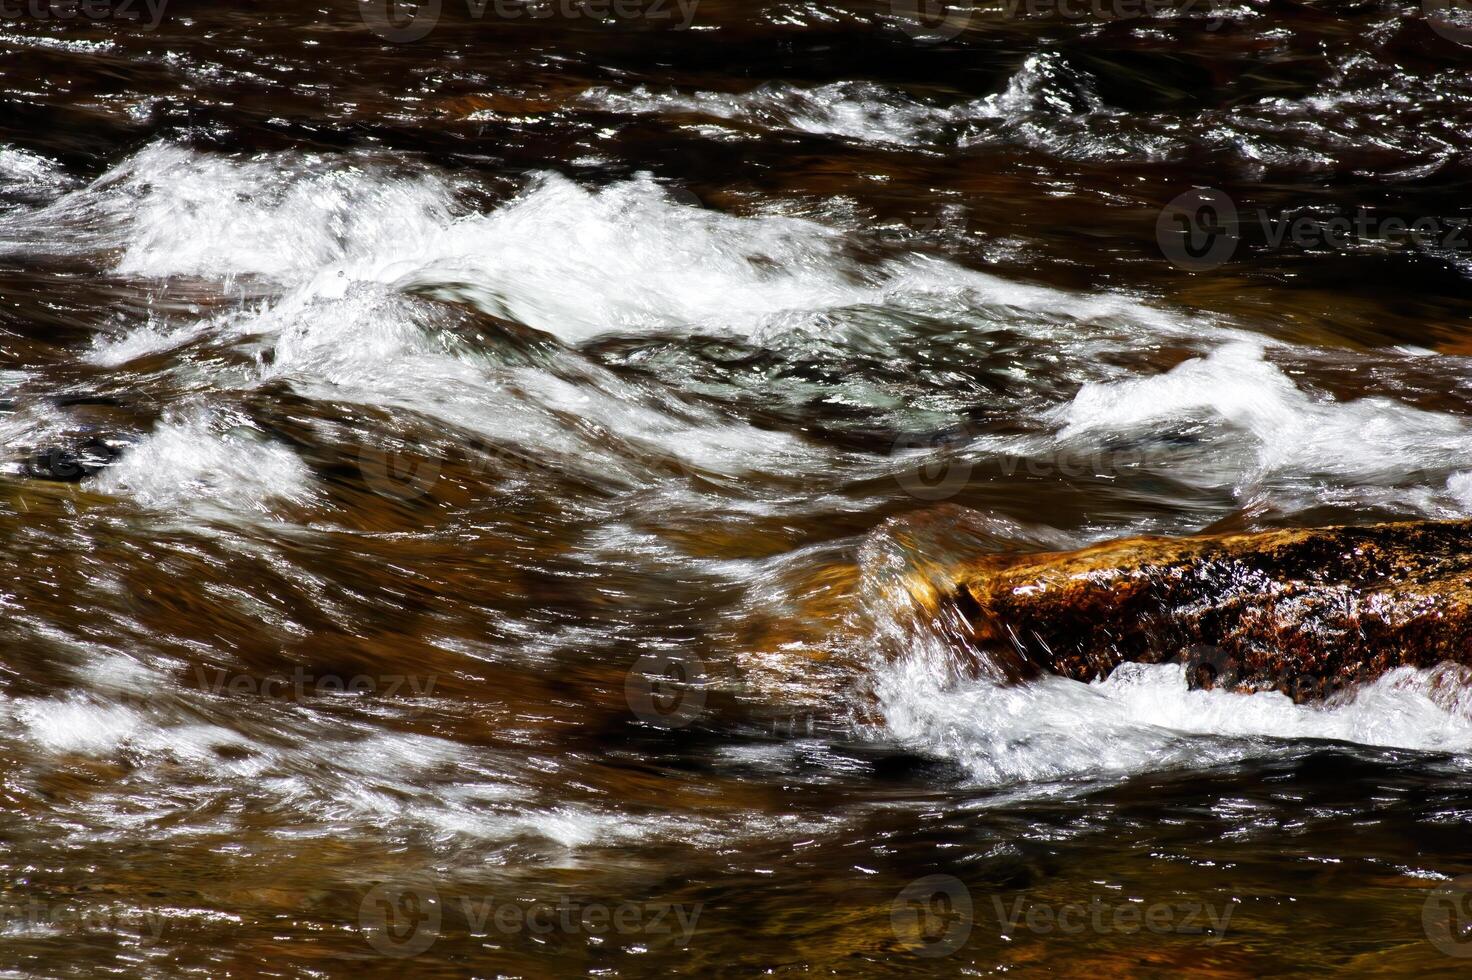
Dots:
{"x": 349, "y": 777}
{"x": 855, "y": 110}
{"x": 1053, "y": 106}
{"x": 78, "y": 726}
{"x": 576, "y": 263}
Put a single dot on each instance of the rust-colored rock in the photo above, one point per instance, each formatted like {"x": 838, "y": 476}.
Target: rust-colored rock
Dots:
{"x": 1305, "y": 612}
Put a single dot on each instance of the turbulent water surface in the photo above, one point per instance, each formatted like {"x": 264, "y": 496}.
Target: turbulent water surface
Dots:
{"x": 445, "y": 482}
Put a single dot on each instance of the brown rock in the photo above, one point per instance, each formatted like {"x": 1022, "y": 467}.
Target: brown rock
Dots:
{"x": 1305, "y": 612}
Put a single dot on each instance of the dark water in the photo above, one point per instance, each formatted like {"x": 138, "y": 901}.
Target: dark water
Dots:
{"x": 443, "y": 482}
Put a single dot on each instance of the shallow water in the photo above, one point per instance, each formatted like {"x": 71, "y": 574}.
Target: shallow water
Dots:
{"x": 505, "y": 420}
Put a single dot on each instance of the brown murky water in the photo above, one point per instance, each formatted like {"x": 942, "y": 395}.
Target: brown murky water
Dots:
{"x": 442, "y": 474}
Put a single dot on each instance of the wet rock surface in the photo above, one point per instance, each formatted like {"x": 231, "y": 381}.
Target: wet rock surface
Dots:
{"x": 1304, "y": 612}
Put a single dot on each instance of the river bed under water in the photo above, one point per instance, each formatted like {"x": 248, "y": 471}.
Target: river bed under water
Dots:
{"x": 506, "y": 422}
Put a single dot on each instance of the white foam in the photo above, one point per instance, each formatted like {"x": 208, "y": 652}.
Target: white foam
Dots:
{"x": 356, "y": 247}
{"x": 201, "y": 461}
{"x": 204, "y": 215}
{"x": 168, "y": 211}
{"x": 1042, "y": 86}
{"x": 71, "y": 725}
{"x": 1047, "y": 104}
{"x": 116, "y": 673}
{"x": 1143, "y": 718}
{"x": 1053, "y": 106}
{"x": 356, "y": 252}
{"x": 28, "y": 172}
{"x": 1258, "y": 427}
{"x": 331, "y": 772}
{"x": 631, "y": 259}
{"x": 150, "y": 338}
{"x": 856, "y": 110}
{"x": 1459, "y": 487}
{"x": 628, "y": 258}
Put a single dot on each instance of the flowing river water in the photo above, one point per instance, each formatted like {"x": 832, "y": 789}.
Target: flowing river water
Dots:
{"x": 447, "y": 465}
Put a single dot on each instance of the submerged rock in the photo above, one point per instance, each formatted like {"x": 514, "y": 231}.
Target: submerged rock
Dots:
{"x": 72, "y": 463}
{"x": 1304, "y": 612}
{"x": 85, "y": 435}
